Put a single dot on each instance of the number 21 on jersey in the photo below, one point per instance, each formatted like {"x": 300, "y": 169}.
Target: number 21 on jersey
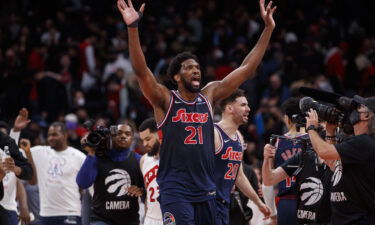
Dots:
{"x": 195, "y": 136}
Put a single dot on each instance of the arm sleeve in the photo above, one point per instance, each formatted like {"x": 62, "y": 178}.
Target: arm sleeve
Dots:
{"x": 269, "y": 198}
{"x": 87, "y": 174}
{"x": 20, "y": 161}
{"x": 290, "y": 165}
{"x": 15, "y": 135}
{"x": 356, "y": 150}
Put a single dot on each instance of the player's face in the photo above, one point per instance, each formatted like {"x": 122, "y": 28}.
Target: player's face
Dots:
{"x": 240, "y": 110}
{"x": 124, "y": 138}
{"x": 190, "y": 74}
{"x": 150, "y": 141}
{"x": 56, "y": 138}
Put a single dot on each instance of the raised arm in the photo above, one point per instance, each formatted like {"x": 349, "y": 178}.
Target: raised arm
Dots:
{"x": 221, "y": 89}
{"x": 271, "y": 176}
{"x": 26, "y": 145}
{"x": 21, "y": 121}
{"x": 156, "y": 93}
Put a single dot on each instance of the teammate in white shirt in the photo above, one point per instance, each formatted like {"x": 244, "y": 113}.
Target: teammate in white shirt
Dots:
{"x": 56, "y": 167}
{"x": 149, "y": 166}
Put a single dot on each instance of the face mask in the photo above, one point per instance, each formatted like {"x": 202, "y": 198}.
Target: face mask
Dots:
{"x": 354, "y": 117}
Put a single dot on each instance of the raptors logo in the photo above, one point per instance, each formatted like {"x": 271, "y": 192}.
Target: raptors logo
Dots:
{"x": 338, "y": 173}
{"x": 169, "y": 219}
{"x": 118, "y": 182}
{"x": 312, "y": 189}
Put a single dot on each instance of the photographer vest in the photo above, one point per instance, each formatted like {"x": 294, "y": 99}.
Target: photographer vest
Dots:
{"x": 313, "y": 183}
{"x": 110, "y": 201}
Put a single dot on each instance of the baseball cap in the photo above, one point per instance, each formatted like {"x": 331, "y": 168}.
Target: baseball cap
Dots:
{"x": 368, "y": 102}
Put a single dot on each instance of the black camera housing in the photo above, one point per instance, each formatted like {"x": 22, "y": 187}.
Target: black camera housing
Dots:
{"x": 334, "y": 114}
{"x": 99, "y": 137}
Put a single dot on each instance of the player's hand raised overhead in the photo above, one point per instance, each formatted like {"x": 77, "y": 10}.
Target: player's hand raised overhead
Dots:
{"x": 267, "y": 13}
{"x": 129, "y": 14}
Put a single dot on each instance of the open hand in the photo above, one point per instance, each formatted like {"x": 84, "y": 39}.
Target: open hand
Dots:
{"x": 267, "y": 13}
{"x": 22, "y": 120}
{"x": 129, "y": 14}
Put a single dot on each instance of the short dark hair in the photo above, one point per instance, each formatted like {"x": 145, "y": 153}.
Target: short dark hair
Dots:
{"x": 291, "y": 107}
{"x": 4, "y": 125}
{"x": 129, "y": 123}
{"x": 61, "y": 125}
{"x": 149, "y": 123}
{"x": 236, "y": 94}
{"x": 175, "y": 65}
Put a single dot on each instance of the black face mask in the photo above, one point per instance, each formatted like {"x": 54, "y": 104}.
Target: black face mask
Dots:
{"x": 354, "y": 117}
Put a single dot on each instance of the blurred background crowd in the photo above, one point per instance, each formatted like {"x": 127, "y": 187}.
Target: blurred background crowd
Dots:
{"x": 67, "y": 60}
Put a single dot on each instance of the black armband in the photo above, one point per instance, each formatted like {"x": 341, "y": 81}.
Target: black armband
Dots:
{"x": 135, "y": 23}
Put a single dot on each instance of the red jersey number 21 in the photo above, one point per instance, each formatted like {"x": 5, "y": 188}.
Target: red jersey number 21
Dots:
{"x": 195, "y": 136}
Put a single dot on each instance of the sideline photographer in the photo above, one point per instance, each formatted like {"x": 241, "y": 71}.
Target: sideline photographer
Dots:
{"x": 114, "y": 171}
{"x": 353, "y": 183}
{"x": 305, "y": 170}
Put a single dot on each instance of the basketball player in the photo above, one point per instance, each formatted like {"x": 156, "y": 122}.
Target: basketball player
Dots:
{"x": 228, "y": 156}
{"x": 148, "y": 132}
{"x": 184, "y": 117}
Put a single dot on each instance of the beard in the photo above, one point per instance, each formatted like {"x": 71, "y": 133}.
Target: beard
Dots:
{"x": 190, "y": 87}
{"x": 155, "y": 149}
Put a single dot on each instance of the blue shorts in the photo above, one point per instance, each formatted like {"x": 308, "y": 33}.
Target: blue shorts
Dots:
{"x": 60, "y": 220}
{"x": 287, "y": 212}
{"x": 189, "y": 213}
{"x": 222, "y": 212}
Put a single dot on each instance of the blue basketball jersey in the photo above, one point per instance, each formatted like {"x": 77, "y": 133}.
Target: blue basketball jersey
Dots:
{"x": 186, "y": 171}
{"x": 286, "y": 149}
{"x": 227, "y": 163}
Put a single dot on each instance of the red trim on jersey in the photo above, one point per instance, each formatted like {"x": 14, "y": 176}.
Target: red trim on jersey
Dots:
{"x": 167, "y": 114}
{"x": 237, "y": 137}
{"x": 160, "y": 134}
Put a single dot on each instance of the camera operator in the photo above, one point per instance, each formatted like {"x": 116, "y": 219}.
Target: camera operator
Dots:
{"x": 116, "y": 176}
{"x": 353, "y": 183}
{"x": 311, "y": 176}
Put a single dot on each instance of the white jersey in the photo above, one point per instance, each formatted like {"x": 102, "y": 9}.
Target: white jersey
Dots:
{"x": 10, "y": 187}
{"x": 149, "y": 170}
{"x": 56, "y": 173}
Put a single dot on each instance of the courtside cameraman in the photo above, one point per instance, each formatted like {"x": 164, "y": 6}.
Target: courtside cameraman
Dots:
{"x": 117, "y": 180}
{"x": 305, "y": 169}
{"x": 353, "y": 182}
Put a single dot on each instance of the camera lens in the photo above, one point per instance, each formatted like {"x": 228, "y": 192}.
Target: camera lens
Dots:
{"x": 93, "y": 139}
